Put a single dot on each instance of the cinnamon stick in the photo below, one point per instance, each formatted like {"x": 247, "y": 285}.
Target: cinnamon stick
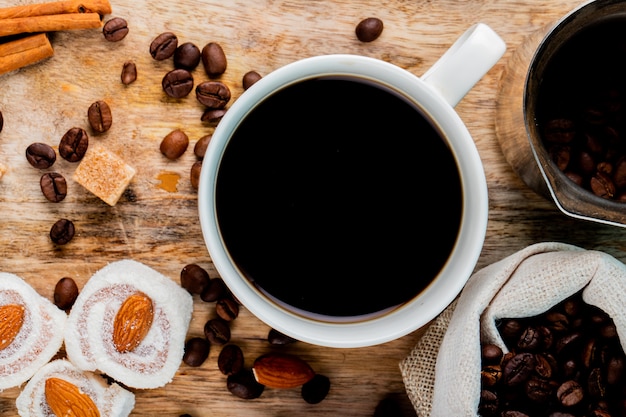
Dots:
{"x": 49, "y": 23}
{"x": 25, "y": 51}
{"x": 102, "y": 7}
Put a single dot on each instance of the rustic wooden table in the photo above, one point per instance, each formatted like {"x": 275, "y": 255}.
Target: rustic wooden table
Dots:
{"x": 156, "y": 220}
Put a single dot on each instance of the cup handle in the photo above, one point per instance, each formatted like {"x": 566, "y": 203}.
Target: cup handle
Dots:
{"x": 465, "y": 63}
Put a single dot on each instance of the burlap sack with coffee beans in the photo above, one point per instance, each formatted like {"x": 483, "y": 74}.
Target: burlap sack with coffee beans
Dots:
{"x": 442, "y": 372}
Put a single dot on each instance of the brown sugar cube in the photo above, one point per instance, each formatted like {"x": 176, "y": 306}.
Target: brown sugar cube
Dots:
{"x": 104, "y": 174}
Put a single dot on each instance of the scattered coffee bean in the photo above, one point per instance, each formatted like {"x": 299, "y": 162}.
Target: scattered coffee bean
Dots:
{"x": 163, "y": 46}
{"x": 244, "y": 385}
{"x": 217, "y": 331}
{"x": 174, "y": 144}
{"x": 177, "y": 83}
{"x": 187, "y": 56}
{"x": 249, "y": 78}
{"x": 314, "y": 391}
{"x": 62, "y": 232}
{"x": 199, "y": 148}
{"x": 213, "y": 94}
{"x": 216, "y": 290}
{"x": 74, "y": 144}
{"x": 1, "y": 121}
{"x": 213, "y": 59}
{"x": 213, "y": 115}
{"x": 65, "y": 293}
{"x": 196, "y": 351}
{"x": 53, "y": 186}
{"x": 369, "y": 29}
{"x": 129, "y": 73}
{"x": 194, "y": 175}
{"x": 100, "y": 116}
{"x": 230, "y": 360}
{"x": 227, "y": 309}
{"x": 388, "y": 407}
{"x": 40, "y": 155}
{"x": 194, "y": 278}
{"x": 115, "y": 29}
{"x": 274, "y": 337}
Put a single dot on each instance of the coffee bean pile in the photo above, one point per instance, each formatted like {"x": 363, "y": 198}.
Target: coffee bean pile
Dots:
{"x": 567, "y": 362}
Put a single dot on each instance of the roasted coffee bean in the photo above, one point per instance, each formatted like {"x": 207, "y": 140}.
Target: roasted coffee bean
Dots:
{"x": 489, "y": 404}
{"x": 518, "y": 369}
{"x": 314, "y": 391}
{"x": 199, "y": 148}
{"x": 570, "y": 393}
{"x": 213, "y": 115}
{"x": 560, "y": 131}
{"x": 163, "y": 46}
{"x": 530, "y": 339}
{"x": 65, "y": 293}
{"x": 388, "y": 407}
{"x": 230, "y": 360}
{"x": 194, "y": 278}
{"x": 187, "y": 56}
{"x": 249, "y": 78}
{"x": 129, "y": 73}
{"x": 217, "y": 331}
{"x": 538, "y": 390}
{"x": 369, "y": 29}
{"x": 216, "y": 290}
{"x": 74, "y": 144}
{"x": 177, "y": 83}
{"x": 40, "y": 155}
{"x": 1, "y": 121}
{"x": 274, "y": 337}
{"x": 615, "y": 370}
{"x": 227, "y": 308}
{"x": 115, "y": 29}
{"x": 53, "y": 186}
{"x": 174, "y": 144}
{"x": 491, "y": 354}
{"x": 100, "y": 116}
{"x": 244, "y": 385}
{"x": 514, "y": 414}
{"x": 194, "y": 175}
{"x": 196, "y": 351}
{"x": 602, "y": 185}
{"x": 213, "y": 94}
{"x": 62, "y": 231}
{"x": 490, "y": 375}
{"x": 214, "y": 59}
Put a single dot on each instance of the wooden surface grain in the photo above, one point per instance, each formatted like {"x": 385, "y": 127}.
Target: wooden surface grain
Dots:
{"x": 156, "y": 220}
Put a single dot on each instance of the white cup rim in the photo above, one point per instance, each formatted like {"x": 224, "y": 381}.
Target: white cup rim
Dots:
{"x": 420, "y": 310}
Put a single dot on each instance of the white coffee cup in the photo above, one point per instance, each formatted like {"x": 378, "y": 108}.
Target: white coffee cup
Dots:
{"x": 436, "y": 94}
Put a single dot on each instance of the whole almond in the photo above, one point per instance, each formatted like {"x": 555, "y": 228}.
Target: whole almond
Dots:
{"x": 11, "y": 321}
{"x": 66, "y": 399}
{"x": 132, "y": 322}
{"x": 282, "y": 370}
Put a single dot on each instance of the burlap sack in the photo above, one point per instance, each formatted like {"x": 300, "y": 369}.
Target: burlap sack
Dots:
{"x": 442, "y": 372}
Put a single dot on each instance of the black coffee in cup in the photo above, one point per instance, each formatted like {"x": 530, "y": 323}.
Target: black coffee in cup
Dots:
{"x": 338, "y": 197}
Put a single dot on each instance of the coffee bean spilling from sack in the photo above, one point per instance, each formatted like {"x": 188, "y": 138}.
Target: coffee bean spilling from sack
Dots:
{"x": 567, "y": 362}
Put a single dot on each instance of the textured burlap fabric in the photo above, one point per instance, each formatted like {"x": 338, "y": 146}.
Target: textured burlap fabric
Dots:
{"x": 442, "y": 372}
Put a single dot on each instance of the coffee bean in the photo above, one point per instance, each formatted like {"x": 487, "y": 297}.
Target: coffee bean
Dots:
{"x": 213, "y": 116}
{"x": 65, "y": 293}
{"x": 518, "y": 369}
{"x": 217, "y": 331}
{"x": 314, "y": 391}
{"x": 174, "y": 144}
{"x": 227, "y": 309}
{"x": 491, "y": 354}
{"x": 488, "y": 404}
{"x": 53, "y": 186}
{"x": 62, "y": 232}
{"x": 177, "y": 83}
{"x": 538, "y": 390}
{"x": 194, "y": 278}
{"x": 194, "y": 175}
{"x": 187, "y": 56}
{"x": 213, "y": 59}
{"x": 230, "y": 360}
{"x": 40, "y": 155}
{"x": 274, "y": 337}
{"x": 115, "y": 29}
{"x": 490, "y": 375}
{"x": 244, "y": 385}
{"x": 369, "y": 29}
{"x": 530, "y": 339}
{"x": 570, "y": 393}
{"x": 1, "y": 121}
{"x": 249, "y": 78}
{"x": 196, "y": 351}
{"x": 199, "y": 148}
{"x": 163, "y": 46}
{"x": 213, "y": 94}
{"x": 74, "y": 144}
{"x": 99, "y": 116}
{"x": 216, "y": 290}
{"x": 129, "y": 73}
